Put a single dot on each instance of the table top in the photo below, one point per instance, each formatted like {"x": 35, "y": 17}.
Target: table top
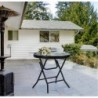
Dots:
{"x": 52, "y": 55}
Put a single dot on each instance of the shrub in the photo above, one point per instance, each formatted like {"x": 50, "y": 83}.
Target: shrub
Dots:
{"x": 90, "y": 54}
{"x": 76, "y": 55}
{"x": 92, "y": 62}
{"x": 80, "y": 59}
{"x": 73, "y": 49}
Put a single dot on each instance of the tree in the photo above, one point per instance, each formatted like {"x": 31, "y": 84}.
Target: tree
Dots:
{"x": 38, "y": 11}
{"x": 95, "y": 40}
{"x": 83, "y": 14}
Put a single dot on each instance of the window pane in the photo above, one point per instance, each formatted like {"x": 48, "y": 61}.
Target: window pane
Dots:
{"x": 10, "y": 35}
{"x": 44, "y": 36}
{"x": 15, "y": 35}
{"x": 54, "y": 36}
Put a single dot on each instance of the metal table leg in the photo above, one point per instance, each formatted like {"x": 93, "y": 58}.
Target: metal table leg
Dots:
{"x": 42, "y": 65}
{"x": 60, "y": 71}
{"x": 42, "y": 72}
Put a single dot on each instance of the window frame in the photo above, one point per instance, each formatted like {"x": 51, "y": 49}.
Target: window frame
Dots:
{"x": 44, "y": 39}
{"x": 13, "y": 36}
{"x": 58, "y": 36}
{"x": 49, "y": 36}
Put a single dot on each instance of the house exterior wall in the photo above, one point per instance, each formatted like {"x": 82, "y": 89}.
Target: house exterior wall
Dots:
{"x": 29, "y": 42}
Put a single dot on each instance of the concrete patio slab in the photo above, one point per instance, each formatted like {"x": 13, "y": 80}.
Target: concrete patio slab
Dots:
{"x": 83, "y": 80}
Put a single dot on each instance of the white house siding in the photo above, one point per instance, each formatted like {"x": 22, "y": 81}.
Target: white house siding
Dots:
{"x": 29, "y": 42}
{"x": 67, "y": 37}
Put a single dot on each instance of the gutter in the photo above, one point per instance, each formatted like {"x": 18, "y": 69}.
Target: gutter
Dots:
{"x": 79, "y": 31}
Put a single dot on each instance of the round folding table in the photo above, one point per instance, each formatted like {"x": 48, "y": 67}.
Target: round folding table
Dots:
{"x": 55, "y": 56}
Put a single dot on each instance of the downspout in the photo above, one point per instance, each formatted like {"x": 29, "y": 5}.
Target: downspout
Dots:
{"x": 76, "y": 32}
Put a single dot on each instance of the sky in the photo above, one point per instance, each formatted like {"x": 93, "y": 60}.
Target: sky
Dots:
{"x": 95, "y": 4}
{"x": 53, "y": 3}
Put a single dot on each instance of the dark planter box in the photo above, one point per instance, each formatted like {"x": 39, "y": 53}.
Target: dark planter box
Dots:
{"x": 6, "y": 83}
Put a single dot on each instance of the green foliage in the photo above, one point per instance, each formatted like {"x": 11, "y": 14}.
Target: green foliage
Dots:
{"x": 94, "y": 41}
{"x": 83, "y": 14}
{"x": 38, "y": 11}
{"x": 90, "y": 54}
{"x": 73, "y": 49}
{"x": 76, "y": 55}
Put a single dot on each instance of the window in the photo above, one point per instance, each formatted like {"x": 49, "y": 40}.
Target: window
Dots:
{"x": 44, "y": 36}
{"x": 49, "y": 36}
{"x": 54, "y": 36}
{"x": 12, "y": 35}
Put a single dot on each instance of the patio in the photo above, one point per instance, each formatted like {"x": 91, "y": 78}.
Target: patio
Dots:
{"x": 83, "y": 80}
